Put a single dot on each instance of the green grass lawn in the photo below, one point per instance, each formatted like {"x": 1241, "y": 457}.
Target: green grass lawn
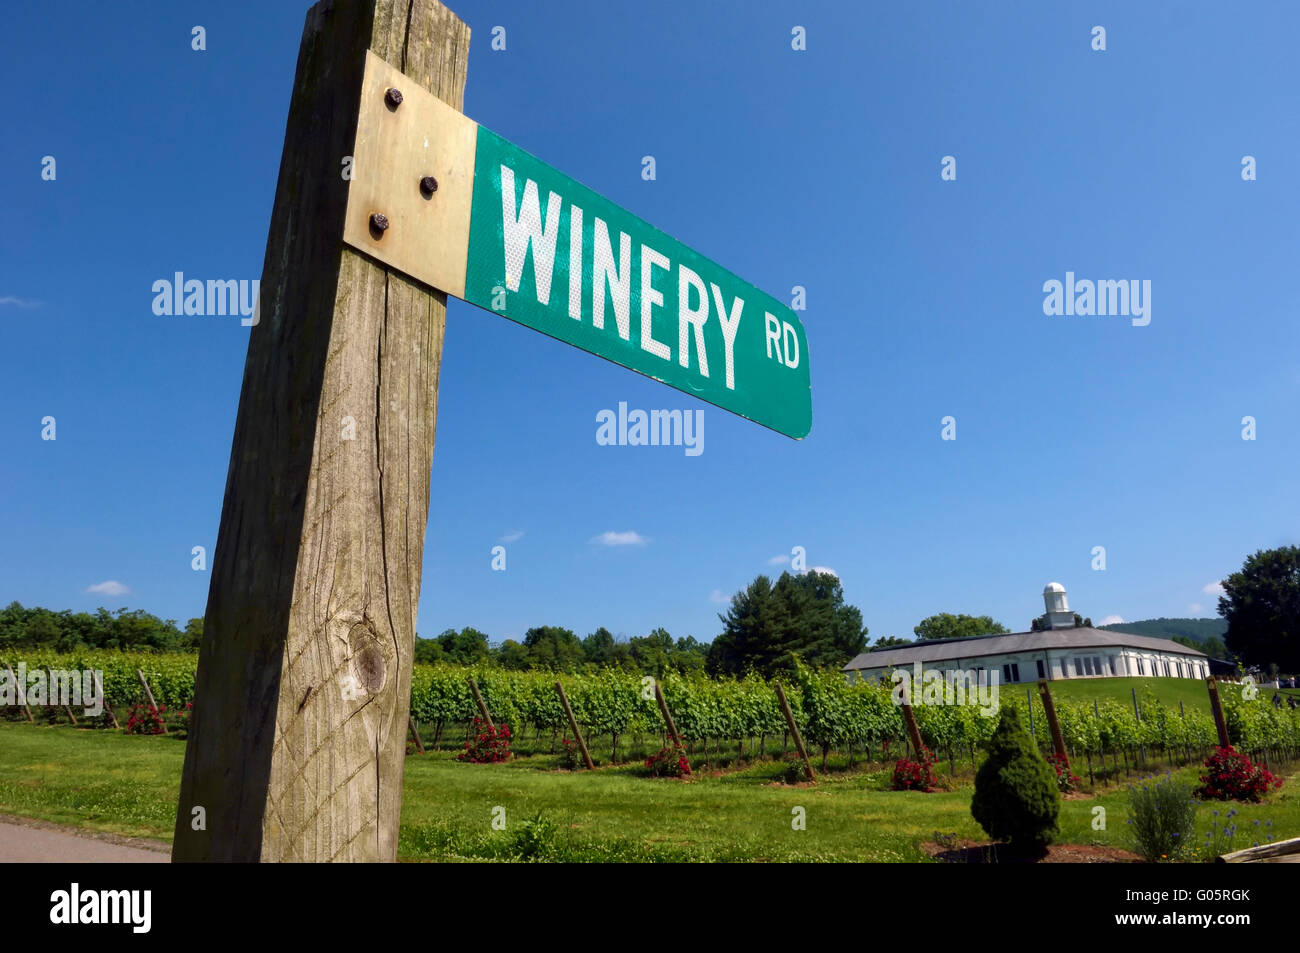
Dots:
{"x": 1168, "y": 691}
{"x": 128, "y": 785}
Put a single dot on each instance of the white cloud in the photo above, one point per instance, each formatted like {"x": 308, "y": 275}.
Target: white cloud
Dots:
{"x": 1111, "y": 620}
{"x": 611, "y": 538}
{"x": 1195, "y": 607}
{"x": 513, "y": 536}
{"x": 720, "y": 597}
{"x": 778, "y": 560}
{"x": 1213, "y": 589}
{"x": 18, "y": 302}
{"x": 825, "y": 569}
{"x": 110, "y": 587}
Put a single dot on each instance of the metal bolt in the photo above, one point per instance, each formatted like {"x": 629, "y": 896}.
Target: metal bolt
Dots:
{"x": 379, "y": 222}
{"x": 428, "y": 185}
{"x": 393, "y": 97}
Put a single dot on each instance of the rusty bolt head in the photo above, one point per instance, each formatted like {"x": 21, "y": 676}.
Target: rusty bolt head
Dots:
{"x": 379, "y": 222}
{"x": 393, "y": 97}
{"x": 428, "y": 185}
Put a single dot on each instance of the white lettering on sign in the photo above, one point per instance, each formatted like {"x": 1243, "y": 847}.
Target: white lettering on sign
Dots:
{"x": 650, "y": 259}
{"x": 606, "y": 275}
{"x": 528, "y": 229}
{"x": 782, "y": 336}
{"x": 611, "y": 281}
{"x": 691, "y": 318}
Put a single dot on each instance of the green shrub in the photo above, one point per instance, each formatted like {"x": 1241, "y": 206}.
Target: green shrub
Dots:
{"x": 536, "y": 839}
{"x": 795, "y": 771}
{"x": 1164, "y": 818}
{"x": 571, "y": 755}
{"x": 1016, "y": 798}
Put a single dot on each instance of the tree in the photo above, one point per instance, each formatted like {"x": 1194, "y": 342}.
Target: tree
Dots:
{"x": 652, "y": 653}
{"x": 1016, "y": 796}
{"x": 469, "y": 646}
{"x": 553, "y": 648}
{"x": 945, "y": 625}
{"x": 689, "y": 655}
{"x": 1212, "y": 646}
{"x": 193, "y": 635}
{"x": 888, "y": 642}
{"x": 427, "y": 651}
{"x": 513, "y": 655}
{"x": 1040, "y": 624}
{"x": 769, "y": 625}
{"x": 1262, "y": 605}
{"x": 598, "y": 648}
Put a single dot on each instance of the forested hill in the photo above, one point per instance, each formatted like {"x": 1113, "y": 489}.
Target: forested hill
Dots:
{"x": 1199, "y": 629}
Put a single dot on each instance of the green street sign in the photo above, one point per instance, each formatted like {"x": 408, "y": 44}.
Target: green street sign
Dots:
{"x": 505, "y": 231}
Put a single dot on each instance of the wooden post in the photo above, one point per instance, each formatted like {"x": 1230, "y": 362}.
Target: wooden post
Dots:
{"x": 49, "y": 674}
{"x": 1217, "y": 708}
{"x": 1058, "y": 743}
{"x": 21, "y": 691}
{"x": 573, "y": 723}
{"x": 473, "y": 687}
{"x": 149, "y": 694}
{"x": 668, "y": 716}
{"x": 108, "y": 705}
{"x": 296, "y": 751}
{"x": 913, "y": 730}
{"x": 794, "y": 730}
{"x": 415, "y": 733}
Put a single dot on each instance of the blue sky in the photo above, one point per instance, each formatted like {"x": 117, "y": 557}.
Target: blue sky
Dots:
{"x": 818, "y": 168}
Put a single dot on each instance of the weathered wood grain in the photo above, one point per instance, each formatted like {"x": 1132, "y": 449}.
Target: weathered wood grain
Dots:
{"x": 303, "y": 687}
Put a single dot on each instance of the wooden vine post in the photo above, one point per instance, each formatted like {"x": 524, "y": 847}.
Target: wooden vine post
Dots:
{"x": 668, "y": 716}
{"x": 794, "y": 730}
{"x": 573, "y": 723}
{"x": 148, "y": 692}
{"x": 913, "y": 730}
{"x": 108, "y": 705}
{"x": 21, "y": 691}
{"x": 1049, "y": 709}
{"x": 66, "y": 709}
{"x": 415, "y": 733}
{"x": 1216, "y": 706}
{"x": 296, "y": 750}
{"x": 478, "y": 700}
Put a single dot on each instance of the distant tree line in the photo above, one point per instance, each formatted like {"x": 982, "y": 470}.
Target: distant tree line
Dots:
{"x": 768, "y": 626}
{"x": 553, "y": 648}
{"x": 67, "y": 631}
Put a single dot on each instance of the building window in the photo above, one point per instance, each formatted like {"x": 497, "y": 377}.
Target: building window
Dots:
{"x": 1087, "y": 666}
{"x": 1112, "y": 664}
{"x": 1006, "y": 673}
{"x": 1078, "y": 666}
{"x": 1015, "y": 671}
{"x": 1096, "y": 664}
{"x": 1041, "y": 672}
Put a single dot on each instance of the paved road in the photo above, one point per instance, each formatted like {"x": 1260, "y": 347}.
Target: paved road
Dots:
{"x": 35, "y": 842}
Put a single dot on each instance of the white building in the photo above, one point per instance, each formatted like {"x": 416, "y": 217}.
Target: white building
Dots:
{"x": 1061, "y": 651}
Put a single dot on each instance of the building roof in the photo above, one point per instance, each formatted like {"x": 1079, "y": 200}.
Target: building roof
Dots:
{"x": 981, "y": 645}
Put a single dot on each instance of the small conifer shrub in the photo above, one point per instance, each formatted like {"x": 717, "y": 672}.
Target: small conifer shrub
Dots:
{"x": 1016, "y": 796}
